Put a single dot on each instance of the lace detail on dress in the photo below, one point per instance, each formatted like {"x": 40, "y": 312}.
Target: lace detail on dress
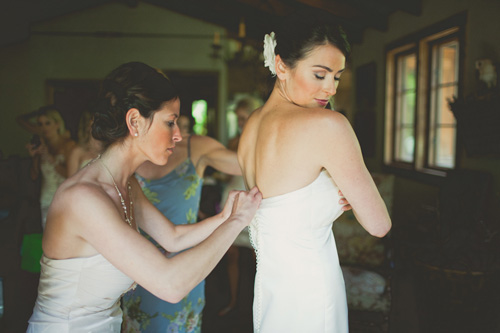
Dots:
{"x": 253, "y": 231}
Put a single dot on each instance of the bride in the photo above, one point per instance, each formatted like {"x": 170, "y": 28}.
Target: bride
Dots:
{"x": 300, "y": 154}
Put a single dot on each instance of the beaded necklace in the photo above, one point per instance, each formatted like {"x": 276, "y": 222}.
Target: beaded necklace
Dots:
{"x": 128, "y": 218}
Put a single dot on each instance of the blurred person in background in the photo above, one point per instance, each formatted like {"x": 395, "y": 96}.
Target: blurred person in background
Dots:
{"x": 49, "y": 149}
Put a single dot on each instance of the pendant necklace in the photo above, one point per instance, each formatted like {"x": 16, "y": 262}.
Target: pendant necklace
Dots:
{"x": 127, "y": 218}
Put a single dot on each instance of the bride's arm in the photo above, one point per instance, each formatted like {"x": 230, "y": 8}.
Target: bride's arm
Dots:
{"x": 341, "y": 156}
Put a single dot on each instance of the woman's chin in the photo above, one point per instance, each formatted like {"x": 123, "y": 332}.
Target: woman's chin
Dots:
{"x": 160, "y": 161}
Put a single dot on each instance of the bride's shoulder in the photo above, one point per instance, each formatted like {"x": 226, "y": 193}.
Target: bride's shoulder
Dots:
{"x": 318, "y": 118}
{"x": 329, "y": 119}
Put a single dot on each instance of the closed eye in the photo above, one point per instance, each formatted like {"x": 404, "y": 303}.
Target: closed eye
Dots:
{"x": 319, "y": 77}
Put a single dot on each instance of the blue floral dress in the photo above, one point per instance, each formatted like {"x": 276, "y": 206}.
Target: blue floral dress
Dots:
{"x": 177, "y": 196}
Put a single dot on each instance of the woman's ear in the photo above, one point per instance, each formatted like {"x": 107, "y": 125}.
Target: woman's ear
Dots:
{"x": 281, "y": 68}
{"x": 134, "y": 122}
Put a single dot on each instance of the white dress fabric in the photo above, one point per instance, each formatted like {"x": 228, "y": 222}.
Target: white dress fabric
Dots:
{"x": 51, "y": 180}
{"x": 299, "y": 285}
{"x": 79, "y": 295}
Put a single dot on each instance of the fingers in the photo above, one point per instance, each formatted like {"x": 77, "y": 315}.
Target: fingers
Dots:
{"x": 343, "y": 201}
{"x": 253, "y": 191}
{"x": 235, "y": 201}
{"x": 32, "y": 151}
{"x": 252, "y": 197}
{"x": 246, "y": 204}
{"x": 255, "y": 194}
{"x": 346, "y": 207}
{"x": 232, "y": 194}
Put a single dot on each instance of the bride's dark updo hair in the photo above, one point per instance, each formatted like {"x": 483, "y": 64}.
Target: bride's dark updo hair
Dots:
{"x": 131, "y": 85}
{"x": 300, "y": 33}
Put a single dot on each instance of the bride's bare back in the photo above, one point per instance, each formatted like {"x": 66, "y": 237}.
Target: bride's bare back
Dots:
{"x": 277, "y": 149}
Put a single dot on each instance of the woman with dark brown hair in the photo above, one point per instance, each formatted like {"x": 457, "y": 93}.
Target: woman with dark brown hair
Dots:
{"x": 92, "y": 249}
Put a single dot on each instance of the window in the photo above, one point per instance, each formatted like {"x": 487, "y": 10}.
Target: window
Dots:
{"x": 444, "y": 85}
{"x": 406, "y": 92}
{"x": 199, "y": 113}
{"x": 421, "y": 77}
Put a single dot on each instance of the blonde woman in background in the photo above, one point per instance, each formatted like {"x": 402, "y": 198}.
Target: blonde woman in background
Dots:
{"x": 50, "y": 149}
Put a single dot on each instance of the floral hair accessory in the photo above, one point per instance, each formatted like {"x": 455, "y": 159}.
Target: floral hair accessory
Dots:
{"x": 269, "y": 56}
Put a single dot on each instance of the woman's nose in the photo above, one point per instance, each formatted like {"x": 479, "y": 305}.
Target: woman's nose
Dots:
{"x": 331, "y": 88}
{"x": 177, "y": 134}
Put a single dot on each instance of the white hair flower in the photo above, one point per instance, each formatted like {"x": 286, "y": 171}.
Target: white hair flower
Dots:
{"x": 269, "y": 45}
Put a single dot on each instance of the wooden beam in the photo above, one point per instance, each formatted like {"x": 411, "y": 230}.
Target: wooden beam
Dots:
{"x": 225, "y": 13}
{"x": 358, "y": 15}
{"x": 387, "y": 7}
{"x": 46, "y": 10}
{"x": 353, "y": 30}
{"x": 413, "y": 7}
{"x": 261, "y": 16}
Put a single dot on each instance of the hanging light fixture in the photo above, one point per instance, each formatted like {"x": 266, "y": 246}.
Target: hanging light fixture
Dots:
{"x": 216, "y": 46}
{"x": 237, "y": 50}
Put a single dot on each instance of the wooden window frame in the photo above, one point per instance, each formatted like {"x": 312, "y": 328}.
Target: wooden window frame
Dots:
{"x": 421, "y": 42}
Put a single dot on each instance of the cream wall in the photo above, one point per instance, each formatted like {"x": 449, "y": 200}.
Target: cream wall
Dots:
{"x": 26, "y": 66}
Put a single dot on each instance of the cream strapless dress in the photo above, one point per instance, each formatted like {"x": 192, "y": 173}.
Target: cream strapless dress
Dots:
{"x": 299, "y": 285}
{"x": 79, "y": 295}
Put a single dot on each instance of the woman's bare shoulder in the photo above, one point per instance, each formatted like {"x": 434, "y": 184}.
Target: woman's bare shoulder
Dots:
{"x": 320, "y": 114}
{"x": 312, "y": 120}
{"x": 77, "y": 151}
{"x": 74, "y": 206}
{"x": 329, "y": 122}
{"x": 79, "y": 190}
{"x": 69, "y": 146}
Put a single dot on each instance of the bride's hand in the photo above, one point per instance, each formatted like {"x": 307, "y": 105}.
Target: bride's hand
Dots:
{"x": 246, "y": 204}
{"x": 343, "y": 201}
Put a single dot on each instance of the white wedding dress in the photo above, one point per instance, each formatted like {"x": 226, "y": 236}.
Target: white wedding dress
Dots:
{"x": 299, "y": 285}
{"x": 79, "y": 295}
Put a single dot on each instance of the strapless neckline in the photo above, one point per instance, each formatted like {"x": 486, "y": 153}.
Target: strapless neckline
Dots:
{"x": 322, "y": 174}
